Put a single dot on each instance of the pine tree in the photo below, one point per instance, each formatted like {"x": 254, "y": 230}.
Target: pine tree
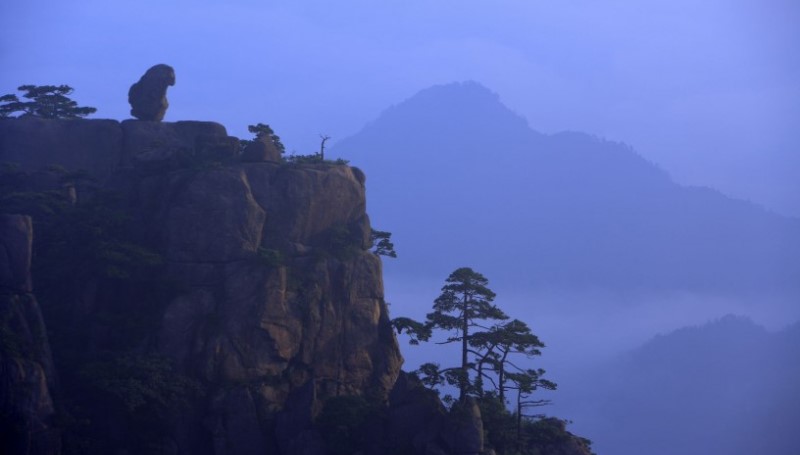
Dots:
{"x": 47, "y": 101}
{"x": 463, "y": 309}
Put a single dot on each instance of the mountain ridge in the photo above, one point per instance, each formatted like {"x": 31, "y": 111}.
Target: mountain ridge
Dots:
{"x": 592, "y": 213}
{"x": 725, "y": 386}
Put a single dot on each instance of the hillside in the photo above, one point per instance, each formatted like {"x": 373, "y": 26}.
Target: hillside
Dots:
{"x": 728, "y": 386}
{"x": 565, "y": 211}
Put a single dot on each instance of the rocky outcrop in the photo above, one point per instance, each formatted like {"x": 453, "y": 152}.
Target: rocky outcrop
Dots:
{"x": 148, "y": 97}
{"x": 33, "y": 143}
{"x": 163, "y": 146}
{"x": 27, "y": 375}
{"x": 104, "y": 147}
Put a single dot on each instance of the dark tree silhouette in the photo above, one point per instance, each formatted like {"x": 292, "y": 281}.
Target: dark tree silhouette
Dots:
{"x": 462, "y": 309}
{"x": 323, "y": 139}
{"x": 382, "y": 243}
{"x": 46, "y": 101}
{"x": 263, "y": 130}
{"x": 495, "y": 348}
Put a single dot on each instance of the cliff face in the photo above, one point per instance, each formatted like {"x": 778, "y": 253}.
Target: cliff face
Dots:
{"x": 269, "y": 310}
{"x": 27, "y": 376}
{"x": 279, "y": 304}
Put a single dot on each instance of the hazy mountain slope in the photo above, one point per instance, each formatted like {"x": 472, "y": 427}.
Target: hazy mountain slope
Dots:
{"x": 562, "y": 210}
{"x": 725, "y": 387}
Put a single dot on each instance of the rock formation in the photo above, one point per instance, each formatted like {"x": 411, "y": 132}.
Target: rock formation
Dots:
{"x": 148, "y": 97}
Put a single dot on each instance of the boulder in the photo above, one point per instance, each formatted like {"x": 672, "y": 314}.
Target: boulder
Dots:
{"x": 148, "y": 97}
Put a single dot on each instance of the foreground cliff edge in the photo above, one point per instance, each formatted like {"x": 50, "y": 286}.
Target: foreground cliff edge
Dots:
{"x": 230, "y": 303}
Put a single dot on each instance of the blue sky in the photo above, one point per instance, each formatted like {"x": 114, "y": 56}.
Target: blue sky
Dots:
{"x": 709, "y": 90}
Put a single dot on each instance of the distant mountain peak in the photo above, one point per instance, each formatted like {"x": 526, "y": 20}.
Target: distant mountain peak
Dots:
{"x": 577, "y": 210}
{"x": 459, "y": 90}
{"x": 728, "y": 330}
{"x": 465, "y": 110}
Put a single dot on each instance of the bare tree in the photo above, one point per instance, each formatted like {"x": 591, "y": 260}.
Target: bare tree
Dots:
{"x": 324, "y": 138}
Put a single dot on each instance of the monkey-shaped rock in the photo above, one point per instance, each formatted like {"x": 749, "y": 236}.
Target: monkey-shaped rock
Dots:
{"x": 148, "y": 97}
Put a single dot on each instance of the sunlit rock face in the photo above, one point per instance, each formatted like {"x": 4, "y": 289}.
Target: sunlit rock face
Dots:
{"x": 282, "y": 292}
{"x": 27, "y": 376}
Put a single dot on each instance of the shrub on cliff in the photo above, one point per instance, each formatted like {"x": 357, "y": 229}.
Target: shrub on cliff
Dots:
{"x": 262, "y": 130}
{"x": 382, "y": 243}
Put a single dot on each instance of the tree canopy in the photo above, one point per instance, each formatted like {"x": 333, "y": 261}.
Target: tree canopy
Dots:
{"x": 46, "y": 101}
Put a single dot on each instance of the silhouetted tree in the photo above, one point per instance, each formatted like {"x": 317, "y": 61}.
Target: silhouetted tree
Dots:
{"x": 462, "y": 309}
{"x": 324, "y": 138}
{"x": 47, "y": 101}
{"x": 526, "y": 382}
{"x": 495, "y": 348}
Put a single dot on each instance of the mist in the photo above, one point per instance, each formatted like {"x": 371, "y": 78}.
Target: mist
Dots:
{"x": 618, "y": 171}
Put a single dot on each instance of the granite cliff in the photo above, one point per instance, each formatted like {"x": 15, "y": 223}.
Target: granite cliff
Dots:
{"x": 266, "y": 316}
{"x": 197, "y": 302}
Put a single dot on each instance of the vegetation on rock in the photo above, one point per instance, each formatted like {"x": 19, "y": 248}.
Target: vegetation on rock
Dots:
{"x": 488, "y": 369}
{"x": 382, "y": 243}
{"x": 262, "y": 130}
